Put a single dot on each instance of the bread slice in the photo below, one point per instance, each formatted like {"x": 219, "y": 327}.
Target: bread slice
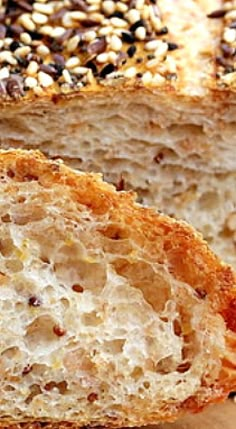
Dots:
{"x": 111, "y": 314}
{"x": 80, "y": 80}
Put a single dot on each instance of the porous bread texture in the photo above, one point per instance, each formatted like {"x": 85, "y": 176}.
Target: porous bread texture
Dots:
{"x": 111, "y": 314}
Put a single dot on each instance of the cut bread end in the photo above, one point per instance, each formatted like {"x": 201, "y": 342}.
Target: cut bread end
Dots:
{"x": 112, "y": 314}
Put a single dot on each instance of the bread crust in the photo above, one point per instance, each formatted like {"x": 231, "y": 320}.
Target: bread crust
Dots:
{"x": 187, "y": 256}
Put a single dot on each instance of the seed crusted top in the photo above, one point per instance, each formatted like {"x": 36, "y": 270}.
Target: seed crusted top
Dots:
{"x": 225, "y": 61}
{"x": 68, "y": 45}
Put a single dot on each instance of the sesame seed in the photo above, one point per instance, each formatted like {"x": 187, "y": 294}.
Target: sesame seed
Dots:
{"x": 147, "y": 77}
{"x": 145, "y": 12}
{"x": 89, "y": 36}
{"x": 104, "y": 31}
{"x": 77, "y": 15}
{"x": 72, "y": 62}
{"x": 45, "y": 79}
{"x": 38, "y": 90}
{"x": 58, "y": 32}
{"x": 133, "y": 16}
{"x": 80, "y": 70}
{"x": 130, "y": 72}
{"x": 108, "y": 7}
{"x": 45, "y": 8}
{"x": 170, "y": 64}
{"x": 42, "y": 50}
{"x": 121, "y": 7}
{"x": 152, "y": 63}
{"x": 25, "y": 38}
{"x": 72, "y": 43}
{"x": 139, "y": 4}
{"x": 161, "y": 48}
{"x": 27, "y": 22}
{"x": 22, "y": 51}
{"x": 4, "y": 73}
{"x": 115, "y": 43}
{"x": 39, "y": 18}
{"x": 152, "y": 45}
{"x": 229, "y": 35}
{"x": 156, "y": 23}
{"x": 112, "y": 56}
{"x": 31, "y": 82}
{"x": 118, "y": 22}
{"x": 46, "y": 30}
{"x": 6, "y": 56}
{"x": 32, "y": 68}
{"x": 140, "y": 33}
{"x": 102, "y": 58}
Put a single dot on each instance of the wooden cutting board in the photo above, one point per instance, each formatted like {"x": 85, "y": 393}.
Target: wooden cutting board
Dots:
{"x": 221, "y": 416}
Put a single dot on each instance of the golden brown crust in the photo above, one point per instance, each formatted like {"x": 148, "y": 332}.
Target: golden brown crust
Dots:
{"x": 187, "y": 256}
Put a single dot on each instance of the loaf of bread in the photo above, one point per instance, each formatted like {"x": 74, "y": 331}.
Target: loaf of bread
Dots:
{"x": 140, "y": 90}
{"x": 111, "y": 314}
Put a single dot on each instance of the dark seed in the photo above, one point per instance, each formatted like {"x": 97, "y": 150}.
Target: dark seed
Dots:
{"x": 201, "y": 293}
{"x": 140, "y": 23}
{"x": 80, "y": 5}
{"x": 109, "y": 68}
{"x": 139, "y": 75}
{"x": 59, "y": 59}
{"x": 22, "y": 62}
{"x": 159, "y": 157}
{"x": 14, "y": 45}
{"x": 97, "y": 47}
{"x": 117, "y": 14}
{"x": 139, "y": 60}
{"x": 120, "y": 186}
{"x": 49, "y": 69}
{"x": 34, "y": 301}
{"x": 92, "y": 397}
{"x": 131, "y": 51}
{"x": 228, "y": 51}
{"x": 162, "y": 31}
{"x": 233, "y": 24}
{"x": 151, "y": 56}
{"x": 3, "y": 31}
{"x": 172, "y": 46}
{"x": 77, "y": 288}
{"x": 59, "y": 331}
{"x": 220, "y": 13}
{"x": 27, "y": 369}
{"x": 127, "y": 37}
{"x": 92, "y": 66}
{"x": 14, "y": 88}
{"x": 25, "y": 5}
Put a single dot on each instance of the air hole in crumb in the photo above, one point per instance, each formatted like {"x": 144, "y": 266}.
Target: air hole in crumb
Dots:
{"x": 183, "y": 367}
{"x": 91, "y": 319}
{"x": 137, "y": 373}
{"x": 6, "y": 247}
{"x": 177, "y": 328}
{"x": 165, "y": 365}
{"x": 61, "y": 386}
{"x": 34, "y": 391}
{"x": 9, "y": 388}
{"x": 40, "y": 332}
{"x": 21, "y": 199}
{"x": 14, "y": 265}
{"x": 27, "y": 369}
{"x": 6, "y": 218}
{"x": 10, "y": 173}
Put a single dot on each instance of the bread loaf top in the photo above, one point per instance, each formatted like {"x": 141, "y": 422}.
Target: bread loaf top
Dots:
{"x": 68, "y": 47}
{"x": 111, "y": 314}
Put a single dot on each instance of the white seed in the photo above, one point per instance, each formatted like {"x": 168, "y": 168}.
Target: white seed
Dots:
{"x": 118, "y": 31}
{"x": 93, "y": 8}
{"x": 130, "y": 72}
{"x": 77, "y": 15}
{"x": 229, "y": 35}
{"x": 45, "y": 79}
{"x": 139, "y": 4}
{"x": 46, "y": 9}
{"x": 231, "y": 15}
{"x": 153, "y": 63}
{"x": 231, "y": 221}
{"x": 121, "y": 7}
{"x": 4, "y": 73}
{"x": 26, "y": 21}
{"x": 72, "y": 43}
{"x": 156, "y": 23}
{"x": 153, "y": 45}
{"x": 22, "y": 51}
{"x": 89, "y": 36}
{"x": 145, "y": 12}
{"x": 161, "y": 49}
{"x": 105, "y": 31}
{"x": 115, "y": 43}
{"x": 6, "y": 56}
{"x": 38, "y": 90}
{"x": 133, "y": 16}
{"x": 39, "y": 18}
{"x": 90, "y": 77}
{"x": 140, "y": 33}
{"x": 32, "y": 68}
{"x": 67, "y": 21}
{"x": 42, "y": 50}
{"x": 118, "y": 22}
{"x": 108, "y": 7}
{"x": 98, "y": 17}
{"x": 80, "y": 70}
{"x": 72, "y": 62}
{"x": 94, "y": 2}
{"x": 1, "y": 44}
{"x": 158, "y": 79}
{"x": 147, "y": 77}
{"x": 112, "y": 56}
{"x": 67, "y": 76}
{"x": 25, "y": 38}
{"x": 102, "y": 58}
{"x": 46, "y": 30}
{"x": 31, "y": 82}
{"x": 8, "y": 41}
{"x": 58, "y": 32}
{"x": 170, "y": 64}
